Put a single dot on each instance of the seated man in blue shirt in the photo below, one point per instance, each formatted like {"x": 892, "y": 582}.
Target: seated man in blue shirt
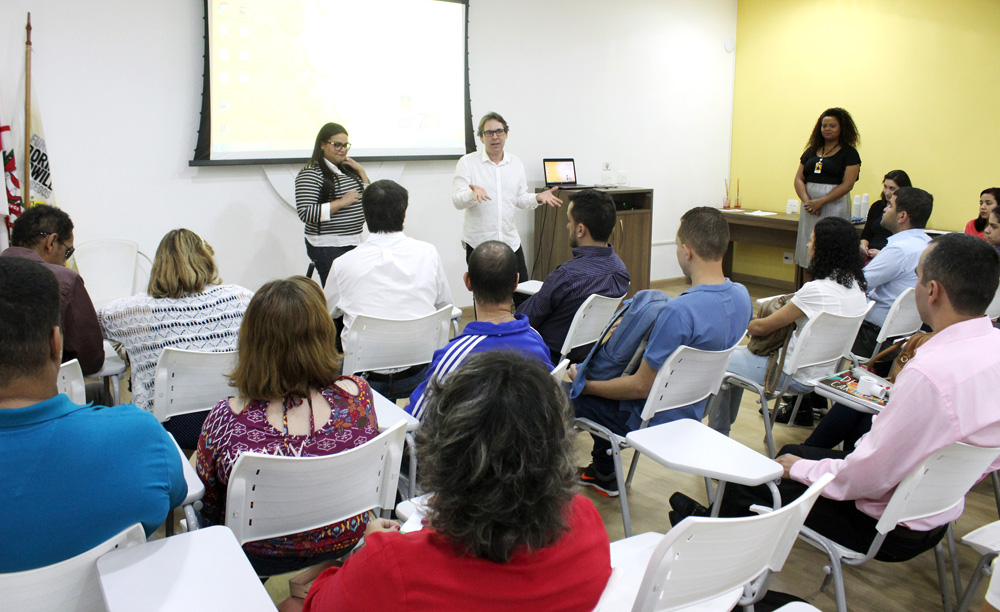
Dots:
{"x": 492, "y": 278}
{"x": 894, "y": 269}
{"x": 71, "y": 476}
{"x": 712, "y": 315}
{"x": 595, "y": 268}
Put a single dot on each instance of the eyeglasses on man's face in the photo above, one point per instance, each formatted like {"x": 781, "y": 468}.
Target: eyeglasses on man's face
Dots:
{"x": 492, "y": 133}
{"x": 69, "y": 250}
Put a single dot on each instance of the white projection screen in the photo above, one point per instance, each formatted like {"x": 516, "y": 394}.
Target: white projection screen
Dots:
{"x": 392, "y": 72}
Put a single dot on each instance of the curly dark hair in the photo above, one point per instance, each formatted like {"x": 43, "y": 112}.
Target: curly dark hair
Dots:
{"x": 495, "y": 448}
{"x": 837, "y": 253}
{"x": 849, "y": 135}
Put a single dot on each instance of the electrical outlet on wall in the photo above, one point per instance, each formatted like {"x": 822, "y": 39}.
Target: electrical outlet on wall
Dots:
{"x": 788, "y": 258}
{"x": 607, "y": 177}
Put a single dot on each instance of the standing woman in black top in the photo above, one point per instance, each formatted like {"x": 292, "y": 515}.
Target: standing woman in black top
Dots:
{"x": 828, "y": 169}
{"x": 874, "y": 237}
{"x": 328, "y": 199}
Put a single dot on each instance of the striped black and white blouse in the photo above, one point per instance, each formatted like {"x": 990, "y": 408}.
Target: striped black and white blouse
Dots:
{"x": 313, "y": 194}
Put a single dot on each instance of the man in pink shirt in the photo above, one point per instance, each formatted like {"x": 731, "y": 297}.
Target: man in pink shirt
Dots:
{"x": 945, "y": 394}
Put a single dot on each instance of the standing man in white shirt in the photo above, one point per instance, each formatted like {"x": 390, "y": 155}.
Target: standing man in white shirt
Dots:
{"x": 389, "y": 275}
{"x": 488, "y": 186}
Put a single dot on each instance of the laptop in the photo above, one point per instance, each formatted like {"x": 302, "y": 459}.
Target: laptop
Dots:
{"x": 561, "y": 173}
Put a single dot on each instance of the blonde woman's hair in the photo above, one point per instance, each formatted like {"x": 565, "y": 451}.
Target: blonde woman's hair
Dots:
{"x": 287, "y": 343}
{"x": 183, "y": 266}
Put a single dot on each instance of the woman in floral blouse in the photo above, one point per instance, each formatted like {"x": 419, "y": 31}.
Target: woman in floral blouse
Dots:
{"x": 291, "y": 402}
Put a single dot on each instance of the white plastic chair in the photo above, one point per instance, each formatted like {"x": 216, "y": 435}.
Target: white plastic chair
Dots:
{"x": 112, "y": 269}
{"x": 825, "y": 340}
{"x": 993, "y": 310}
{"x": 589, "y": 321}
{"x": 373, "y": 343}
{"x": 272, "y": 496}
{"x": 688, "y": 376}
{"x": 706, "y": 564}
{"x": 986, "y": 542}
{"x": 378, "y": 344}
{"x": 71, "y": 382}
{"x": 112, "y": 371}
{"x": 68, "y": 586}
{"x": 559, "y": 372}
{"x": 936, "y": 485}
{"x": 190, "y": 381}
{"x": 902, "y": 320}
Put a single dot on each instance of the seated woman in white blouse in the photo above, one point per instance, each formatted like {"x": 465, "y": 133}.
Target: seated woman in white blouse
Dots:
{"x": 184, "y": 306}
{"x": 838, "y": 287}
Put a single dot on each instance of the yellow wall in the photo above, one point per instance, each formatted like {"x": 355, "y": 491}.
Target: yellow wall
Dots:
{"x": 920, "y": 77}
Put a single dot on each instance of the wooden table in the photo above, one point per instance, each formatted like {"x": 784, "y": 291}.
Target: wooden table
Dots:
{"x": 777, "y": 230}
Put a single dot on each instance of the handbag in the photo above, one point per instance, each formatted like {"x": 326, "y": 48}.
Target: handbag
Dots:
{"x": 907, "y": 348}
{"x": 774, "y": 344}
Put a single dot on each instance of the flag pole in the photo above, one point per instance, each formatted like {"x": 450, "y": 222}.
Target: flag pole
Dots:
{"x": 26, "y": 193}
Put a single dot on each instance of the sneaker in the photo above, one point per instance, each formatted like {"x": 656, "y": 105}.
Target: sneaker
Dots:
{"x": 605, "y": 485}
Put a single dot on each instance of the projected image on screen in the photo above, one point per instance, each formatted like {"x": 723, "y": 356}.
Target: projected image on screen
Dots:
{"x": 391, "y": 71}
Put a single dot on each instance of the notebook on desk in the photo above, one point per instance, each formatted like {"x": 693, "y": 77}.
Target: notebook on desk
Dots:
{"x": 561, "y": 173}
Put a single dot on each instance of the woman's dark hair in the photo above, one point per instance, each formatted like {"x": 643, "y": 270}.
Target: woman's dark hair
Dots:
{"x": 849, "y": 136}
{"x": 327, "y": 132}
{"x": 496, "y": 450}
{"x": 980, "y": 223}
{"x": 837, "y": 253}
{"x": 901, "y": 178}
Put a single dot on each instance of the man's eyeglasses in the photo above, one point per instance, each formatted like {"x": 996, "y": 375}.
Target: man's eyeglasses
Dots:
{"x": 69, "y": 250}
{"x": 492, "y": 133}
{"x": 339, "y": 146}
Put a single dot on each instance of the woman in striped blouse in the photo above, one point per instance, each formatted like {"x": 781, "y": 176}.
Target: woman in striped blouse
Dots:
{"x": 328, "y": 199}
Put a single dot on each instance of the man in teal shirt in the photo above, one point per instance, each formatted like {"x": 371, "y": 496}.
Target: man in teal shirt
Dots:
{"x": 71, "y": 476}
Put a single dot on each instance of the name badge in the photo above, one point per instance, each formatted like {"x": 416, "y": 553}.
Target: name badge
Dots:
{"x": 819, "y": 167}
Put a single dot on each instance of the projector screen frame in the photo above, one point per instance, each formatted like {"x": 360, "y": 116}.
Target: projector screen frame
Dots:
{"x": 202, "y": 151}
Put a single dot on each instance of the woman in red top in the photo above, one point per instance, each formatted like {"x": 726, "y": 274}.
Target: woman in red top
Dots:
{"x": 987, "y": 204}
{"x": 504, "y": 530}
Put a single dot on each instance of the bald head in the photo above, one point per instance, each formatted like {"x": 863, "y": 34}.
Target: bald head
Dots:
{"x": 493, "y": 273}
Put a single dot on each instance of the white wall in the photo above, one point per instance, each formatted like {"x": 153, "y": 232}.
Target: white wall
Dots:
{"x": 643, "y": 84}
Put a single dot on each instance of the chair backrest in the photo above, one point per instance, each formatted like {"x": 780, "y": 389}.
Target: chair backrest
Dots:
{"x": 589, "y": 321}
{"x": 689, "y": 375}
{"x": 702, "y": 558}
{"x": 993, "y": 310}
{"x": 378, "y": 344}
{"x": 272, "y": 496}
{"x": 825, "y": 339}
{"x": 559, "y": 371}
{"x": 902, "y": 319}
{"x": 109, "y": 269}
{"x": 937, "y": 484}
{"x": 190, "y": 381}
{"x": 71, "y": 382}
{"x": 68, "y": 586}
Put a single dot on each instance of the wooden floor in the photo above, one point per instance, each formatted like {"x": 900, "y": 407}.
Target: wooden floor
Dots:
{"x": 874, "y": 587}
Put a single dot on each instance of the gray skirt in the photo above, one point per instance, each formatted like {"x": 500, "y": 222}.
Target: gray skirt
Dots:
{"x": 838, "y": 208}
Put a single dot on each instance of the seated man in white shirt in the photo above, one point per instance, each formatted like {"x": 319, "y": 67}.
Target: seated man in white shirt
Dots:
{"x": 388, "y": 275}
{"x": 894, "y": 269}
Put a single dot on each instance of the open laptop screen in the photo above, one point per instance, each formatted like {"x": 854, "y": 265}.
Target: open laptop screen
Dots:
{"x": 559, "y": 171}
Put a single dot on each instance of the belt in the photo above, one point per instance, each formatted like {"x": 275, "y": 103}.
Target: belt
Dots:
{"x": 380, "y": 377}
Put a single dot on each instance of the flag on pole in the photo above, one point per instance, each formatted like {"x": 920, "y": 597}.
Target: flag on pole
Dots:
{"x": 41, "y": 174}
{"x": 11, "y": 206}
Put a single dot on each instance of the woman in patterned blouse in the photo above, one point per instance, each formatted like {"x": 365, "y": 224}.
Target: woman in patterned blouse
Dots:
{"x": 291, "y": 402}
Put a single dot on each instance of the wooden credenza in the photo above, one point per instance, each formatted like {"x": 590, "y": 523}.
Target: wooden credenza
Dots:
{"x": 632, "y": 237}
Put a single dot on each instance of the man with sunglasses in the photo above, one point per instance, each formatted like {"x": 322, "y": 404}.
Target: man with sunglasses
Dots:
{"x": 489, "y": 185}
{"x": 45, "y": 234}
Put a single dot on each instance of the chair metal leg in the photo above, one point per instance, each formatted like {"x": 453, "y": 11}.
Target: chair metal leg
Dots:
{"x": 995, "y": 477}
{"x": 795, "y": 410}
{"x": 768, "y": 422}
{"x": 953, "y": 558}
{"x": 717, "y": 502}
{"x": 631, "y": 467}
{"x": 983, "y": 568}
{"x": 942, "y": 577}
{"x": 709, "y": 490}
{"x": 620, "y": 477}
